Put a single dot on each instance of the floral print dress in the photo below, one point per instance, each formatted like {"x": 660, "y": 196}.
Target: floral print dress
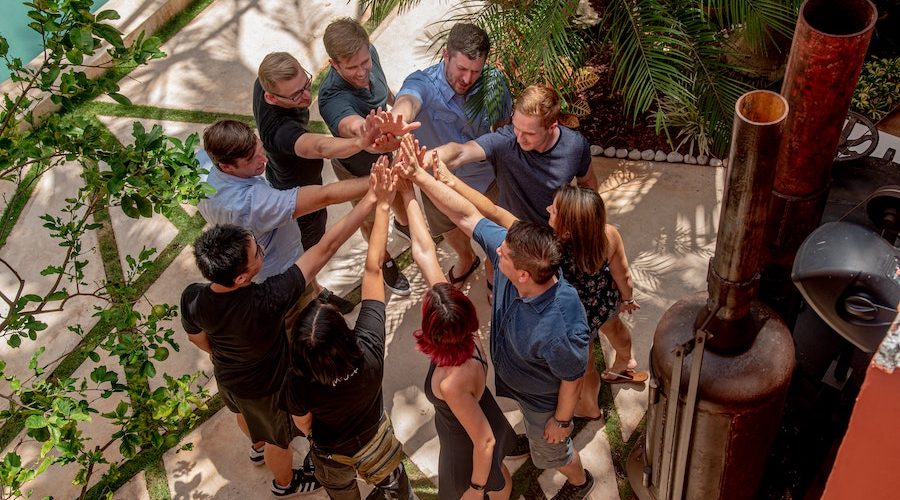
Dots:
{"x": 597, "y": 291}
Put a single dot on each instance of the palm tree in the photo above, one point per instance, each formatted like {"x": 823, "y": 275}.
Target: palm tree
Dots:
{"x": 668, "y": 57}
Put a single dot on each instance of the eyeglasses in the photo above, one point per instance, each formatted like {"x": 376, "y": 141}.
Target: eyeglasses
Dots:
{"x": 296, "y": 96}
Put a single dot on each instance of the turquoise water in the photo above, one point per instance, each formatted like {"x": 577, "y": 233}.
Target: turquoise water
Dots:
{"x": 23, "y": 42}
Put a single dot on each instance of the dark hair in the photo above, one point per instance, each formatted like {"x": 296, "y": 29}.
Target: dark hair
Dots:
{"x": 470, "y": 40}
{"x": 323, "y": 346}
{"x": 227, "y": 141}
{"x": 221, "y": 253}
{"x": 581, "y": 217}
{"x": 534, "y": 248}
{"x": 449, "y": 322}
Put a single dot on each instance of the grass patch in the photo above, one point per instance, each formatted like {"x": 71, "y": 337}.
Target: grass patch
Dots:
{"x": 157, "y": 113}
{"x": 157, "y": 481}
{"x": 17, "y": 202}
{"x": 424, "y": 488}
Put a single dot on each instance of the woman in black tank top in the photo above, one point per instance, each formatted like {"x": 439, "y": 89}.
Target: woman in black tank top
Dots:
{"x": 474, "y": 434}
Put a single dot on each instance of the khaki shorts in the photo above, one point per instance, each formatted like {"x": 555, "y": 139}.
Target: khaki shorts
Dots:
{"x": 440, "y": 223}
{"x": 343, "y": 174}
{"x": 265, "y": 420}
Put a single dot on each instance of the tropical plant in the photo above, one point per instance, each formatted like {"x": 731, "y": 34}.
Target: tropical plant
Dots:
{"x": 878, "y": 90}
{"x": 45, "y": 403}
{"x": 667, "y": 55}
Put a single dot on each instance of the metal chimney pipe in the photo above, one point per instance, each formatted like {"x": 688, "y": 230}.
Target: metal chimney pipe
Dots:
{"x": 826, "y": 58}
{"x": 734, "y": 270}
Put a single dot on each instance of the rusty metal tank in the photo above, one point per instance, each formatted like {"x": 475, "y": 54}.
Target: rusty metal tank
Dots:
{"x": 721, "y": 361}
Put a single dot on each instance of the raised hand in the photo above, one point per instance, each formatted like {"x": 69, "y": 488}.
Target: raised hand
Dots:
{"x": 395, "y": 125}
{"x": 440, "y": 170}
{"x": 382, "y": 182}
{"x": 372, "y": 129}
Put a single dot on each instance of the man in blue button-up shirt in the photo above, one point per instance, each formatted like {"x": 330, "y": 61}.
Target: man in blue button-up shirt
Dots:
{"x": 436, "y": 97}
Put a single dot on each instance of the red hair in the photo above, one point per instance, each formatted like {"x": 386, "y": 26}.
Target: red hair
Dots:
{"x": 449, "y": 323}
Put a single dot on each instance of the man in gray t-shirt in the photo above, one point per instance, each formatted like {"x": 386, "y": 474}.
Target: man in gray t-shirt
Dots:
{"x": 533, "y": 157}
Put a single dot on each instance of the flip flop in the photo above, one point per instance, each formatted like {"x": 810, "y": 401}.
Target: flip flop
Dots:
{"x": 627, "y": 376}
{"x": 455, "y": 280}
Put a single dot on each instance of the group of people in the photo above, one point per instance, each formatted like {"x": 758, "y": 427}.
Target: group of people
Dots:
{"x": 287, "y": 362}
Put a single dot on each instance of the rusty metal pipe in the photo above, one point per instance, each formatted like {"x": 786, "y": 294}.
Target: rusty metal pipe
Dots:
{"x": 826, "y": 58}
{"x": 734, "y": 270}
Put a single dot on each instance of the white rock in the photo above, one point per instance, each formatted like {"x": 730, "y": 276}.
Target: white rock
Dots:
{"x": 647, "y": 154}
{"x": 596, "y": 150}
{"x": 702, "y": 159}
{"x": 609, "y": 152}
{"x": 634, "y": 154}
{"x": 690, "y": 160}
{"x": 621, "y": 153}
{"x": 674, "y": 157}
{"x": 660, "y": 156}
{"x": 715, "y": 162}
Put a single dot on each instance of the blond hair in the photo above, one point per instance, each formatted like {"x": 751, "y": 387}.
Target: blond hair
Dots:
{"x": 581, "y": 217}
{"x": 541, "y": 101}
{"x": 277, "y": 67}
{"x": 343, "y": 38}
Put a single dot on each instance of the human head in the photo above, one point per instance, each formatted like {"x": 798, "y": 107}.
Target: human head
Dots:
{"x": 285, "y": 82}
{"x": 228, "y": 255}
{"x": 578, "y": 214}
{"x": 464, "y": 57}
{"x": 234, "y": 148}
{"x": 535, "y": 116}
{"x": 449, "y": 323}
{"x": 347, "y": 44}
{"x": 323, "y": 346}
{"x": 530, "y": 251}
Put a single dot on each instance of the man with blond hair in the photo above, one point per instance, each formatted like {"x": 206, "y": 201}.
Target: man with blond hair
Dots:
{"x": 436, "y": 96}
{"x": 281, "y": 99}
{"x": 354, "y": 86}
{"x": 533, "y": 156}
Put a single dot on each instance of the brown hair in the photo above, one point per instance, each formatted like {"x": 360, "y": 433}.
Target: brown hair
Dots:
{"x": 277, "y": 67}
{"x": 343, "y": 38}
{"x": 468, "y": 39}
{"x": 534, "y": 248}
{"x": 541, "y": 101}
{"x": 227, "y": 141}
{"x": 581, "y": 217}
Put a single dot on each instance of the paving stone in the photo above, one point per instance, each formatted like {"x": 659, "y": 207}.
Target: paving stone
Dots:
{"x": 134, "y": 489}
{"x": 29, "y": 249}
{"x": 212, "y": 62}
{"x": 593, "y": 447}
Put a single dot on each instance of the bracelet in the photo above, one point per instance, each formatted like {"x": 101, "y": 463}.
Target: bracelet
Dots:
{"x": 476, "y": 487}
{"x": 563, "y": 424}
{"x": 628, "y": 302}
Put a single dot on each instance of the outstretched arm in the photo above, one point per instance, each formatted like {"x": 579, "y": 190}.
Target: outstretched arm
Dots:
{"x": 383, "y": 190}
{"x": 311, "y": 145}
{"x": 621, "y": 273}
{"x": 423, "y": 249}
{"x": 454, "y": 206}
{"x": 484, "y": 204}
{"x": 312, "y": 198}
{"x": 456, "y": 155}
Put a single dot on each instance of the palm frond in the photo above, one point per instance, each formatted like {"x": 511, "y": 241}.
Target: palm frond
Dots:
{"x": 757, "y": 18}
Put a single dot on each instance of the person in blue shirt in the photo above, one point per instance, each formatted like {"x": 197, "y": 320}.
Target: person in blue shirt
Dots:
{"x": 436, "y": 97}
{"x": 539, "y": 331}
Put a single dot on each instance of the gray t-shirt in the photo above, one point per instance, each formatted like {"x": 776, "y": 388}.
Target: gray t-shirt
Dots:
{"x": 339, "y": 99}
{"x": 528, "y": 180}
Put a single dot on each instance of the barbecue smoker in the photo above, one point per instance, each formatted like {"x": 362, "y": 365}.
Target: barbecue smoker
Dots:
{"x": 722, "y": 360}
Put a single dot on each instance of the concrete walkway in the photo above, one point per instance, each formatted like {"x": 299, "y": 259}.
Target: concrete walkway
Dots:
{"x": 667, "y": 215}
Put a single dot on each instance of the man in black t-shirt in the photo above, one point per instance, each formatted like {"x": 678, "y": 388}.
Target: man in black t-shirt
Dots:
{"x": 241, "y": 324}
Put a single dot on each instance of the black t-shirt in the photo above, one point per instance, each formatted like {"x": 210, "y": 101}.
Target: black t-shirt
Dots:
{"x": 279, "y": 129}
{"x": 346, "y": 414}
{"x": 245, "y": 328}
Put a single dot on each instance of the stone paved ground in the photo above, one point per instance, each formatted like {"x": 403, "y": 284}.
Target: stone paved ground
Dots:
{"x": 667, "y": 215}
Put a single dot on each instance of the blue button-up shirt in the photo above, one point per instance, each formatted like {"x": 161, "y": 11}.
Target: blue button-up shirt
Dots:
{"x": 255, "y": 205}
{"x": 536, "y": 342}
{"x": 443, "y": 118}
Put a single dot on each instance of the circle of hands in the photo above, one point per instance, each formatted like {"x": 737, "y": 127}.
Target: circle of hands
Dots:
{"x": 383, "y": 130}
{"x": 397, "y": 176}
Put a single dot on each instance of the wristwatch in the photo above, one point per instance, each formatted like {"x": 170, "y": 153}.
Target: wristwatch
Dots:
{"x": 563, "y": 424}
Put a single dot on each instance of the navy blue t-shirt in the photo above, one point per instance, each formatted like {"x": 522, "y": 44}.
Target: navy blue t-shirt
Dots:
{"x": 528, "y": 180}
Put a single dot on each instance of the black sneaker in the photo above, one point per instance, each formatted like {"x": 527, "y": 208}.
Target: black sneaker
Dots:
{"x": 571, "y": 492}
{"x": 342, "y": 305}
{"x": 401, "y": 230}
{"x": 257, "y": 457}
{"x": 301, "y": 484}
{"x": 522, "y": 448}
{"x": 394, "y": 487}
{"x": 394, "y": 279}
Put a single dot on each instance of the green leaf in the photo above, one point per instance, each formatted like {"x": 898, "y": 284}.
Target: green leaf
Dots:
{"x": 82, "y": 40}
{"x": 35, "y": 422}
{"x": 110, "y": 34}
{"x": 57, "y": 295}
{"x": 148, "y": 370}
{"x": 119, "y": 98}
{"x": 104, "y": 15}
{"x": 14, "y": 340}
{"x": 144, "y": 207}
{"x": 94, "y": 356}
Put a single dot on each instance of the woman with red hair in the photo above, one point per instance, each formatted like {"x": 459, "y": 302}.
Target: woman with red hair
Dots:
{"x": 473, "y": 432}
